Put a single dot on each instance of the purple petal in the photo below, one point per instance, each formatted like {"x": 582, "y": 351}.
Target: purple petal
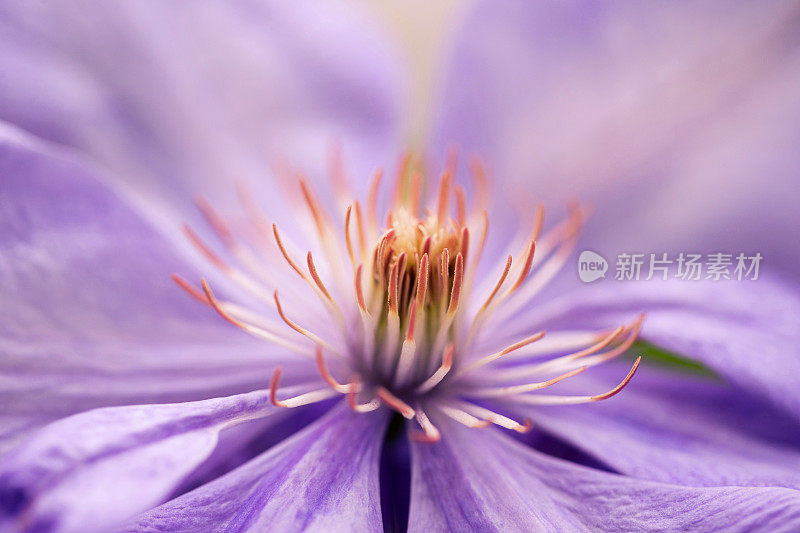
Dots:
{"x": 184, "y": 98}
{"x": 323, "y": 478}
{"x": 679, "y": 121}
{"x": 746, "y": 331}
{"x": 90, "y": 316}
{"x": 679, "y": 429}
{"x": 484, "y": 480}
{"x": 94, "y": 470}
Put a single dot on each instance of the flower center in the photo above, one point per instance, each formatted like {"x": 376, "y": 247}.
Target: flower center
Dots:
{"x": 405, "y": 327}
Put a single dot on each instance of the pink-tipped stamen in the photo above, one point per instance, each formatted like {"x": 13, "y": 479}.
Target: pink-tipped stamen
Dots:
{"x": 312, "y": 269}
{"x": 444, "y": 197}
{"x": 296, "y": 401}
{"x": 429, "y": 434}
{"x": 395, "y": 403}
{"x": 463, "y": 417}
{"x": 497, "y": 355}
{"x": 495, "y": 392}
{"x": 252, "y": 329}
{"x": 499, "y": 284}
{"x": 441, "y": 372}
{"x": 352, "y": 398}
{"x": 496, "y": 418}
{"x": 347, "y": 239}
{"x": 458, "y": 278}
{"x": 542, "y": 399}
{"x": 301, "y": 330}
{"x": 285, "y": 253}
{"x": 326, "y": 375}
{"x": 526, "y": 268}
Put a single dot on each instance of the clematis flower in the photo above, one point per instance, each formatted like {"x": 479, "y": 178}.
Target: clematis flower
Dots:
{"x": 357, "y": 354}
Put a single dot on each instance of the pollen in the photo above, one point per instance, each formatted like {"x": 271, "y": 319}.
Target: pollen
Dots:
{"x": 393, "y": 315}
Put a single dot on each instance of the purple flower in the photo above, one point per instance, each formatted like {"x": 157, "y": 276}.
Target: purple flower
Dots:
{"x": 400, "y": 318}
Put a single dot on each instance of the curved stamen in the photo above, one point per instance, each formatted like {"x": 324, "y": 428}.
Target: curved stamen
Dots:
{"x": 360, "y": 291}
{"x": 395, "y": 403}
{"x": 301, "y": 330}
{"x": 542, "y": 399}
{"x": 441, "y": 372}
{"x": 249, "y": 328}
{"x": 347, "y": 240}
{"x": 430, "y": 433}
{"x": 458, "y": 278}
{"x": 444, "y": 197}
{"x": 285, "y": 253}
{"x": 497, "y": 355}
{"x": 326, "y": 375}
{"x": 568, "y": 362}
{"x": 461, "y": 206}
{"x": 496, "y": 287}
{"x": 528, "y": 387}
{"x": 463, "y": 417}
{"x": 496, "y": 418}
{"x": 526, "y": 268}
{"x": 352, "y": 400}
{"x": 312, "y": 269}
{"x": 206, "y": 250}
{"x": 302, "y": 399}
{"x": 189, "y": 288}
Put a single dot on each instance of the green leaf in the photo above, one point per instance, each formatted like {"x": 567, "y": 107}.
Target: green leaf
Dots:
{"x": 656, "y": 356}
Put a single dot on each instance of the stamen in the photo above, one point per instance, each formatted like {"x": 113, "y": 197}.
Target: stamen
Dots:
{"x": 326, "y": 375}
{"x": 581, "y": 358}
{"x": 463, "y": 417}
{"x": 441, "y": 372}
{"x": 205, "y": 250}
{"x": 458, "y": 276}
{"x": 497, "y": 355}
{"x": 362, "y": 242}
{"x": 352, "y": 400}
{"x": 416, "y": 186}
{"x": 528, "y": 387}
{"x": 497, "y": 286}
{"x": 444, "y": 198}
{"x": 393, "y": 291}
{"x": 314, "y": 208}
{"x": 193, "y": 292}
{"x": 430, "y": 432}
{"x": 481, "y": 182}
{"x": 302, "y": 399}
{"x": 348, "y": 241}
{"x": 538, "y": 223}
{"x": 496, "y": 418}
{"x": 301, "y": 330}
{"x": 526, "y": 267}
{"x": 286, "y": 256}
{"x": 215, "y": 221}
{"x": 542, "y": 399}
{"x": 249, "y": 328}
{"x": 395, "y": 403}
{"x": 313, "y": 271}
{"x": 594, "y": 348}
{"x": 461, "y": 206}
